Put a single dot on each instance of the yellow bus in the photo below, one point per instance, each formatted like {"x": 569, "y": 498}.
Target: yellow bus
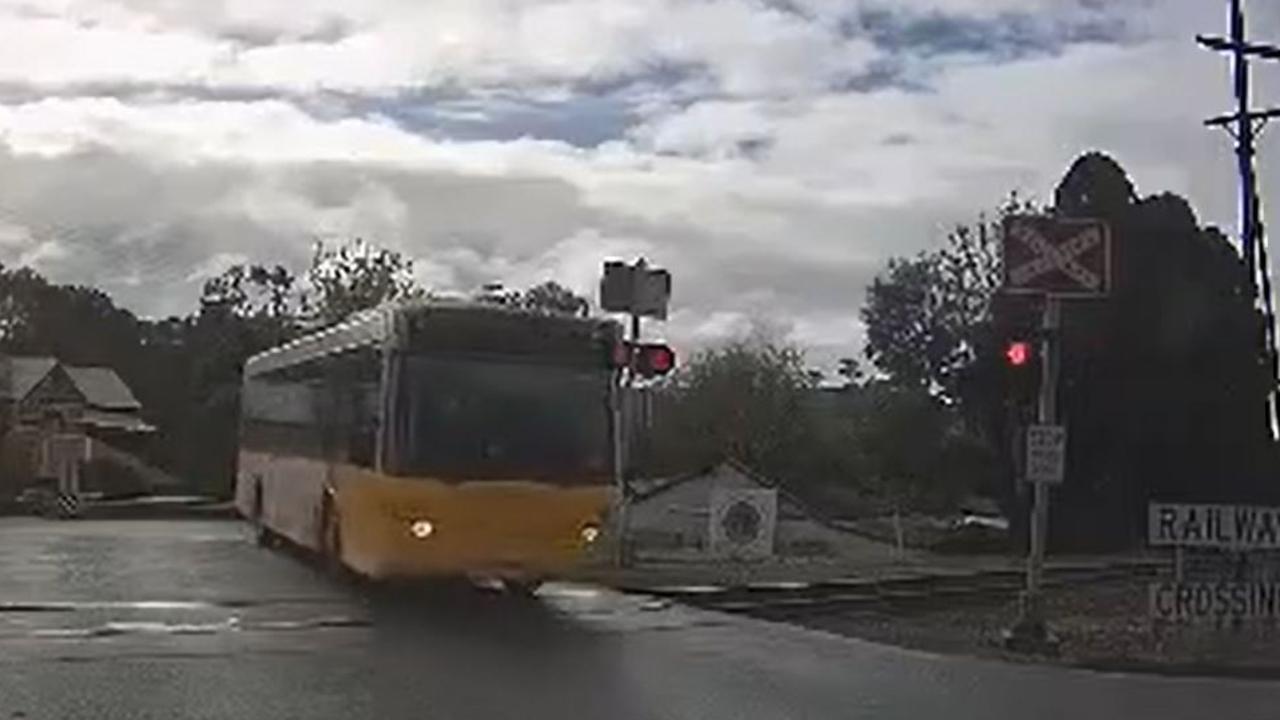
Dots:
{"x": 435, "y": 438}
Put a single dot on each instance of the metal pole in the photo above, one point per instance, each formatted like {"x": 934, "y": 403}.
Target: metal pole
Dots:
{"x": 1244, "y": 143}
{"x": 632, "y": 402}
{"x": 619, "y": 479}
{"x": 1047, "y": 414}
{"x": 624, "y": 436}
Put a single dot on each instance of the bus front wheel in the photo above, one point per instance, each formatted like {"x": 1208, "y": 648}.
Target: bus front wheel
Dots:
{"x": 262, "y": 535}
{"x": 522, "y": 587}
{"x": 331, "y": 539}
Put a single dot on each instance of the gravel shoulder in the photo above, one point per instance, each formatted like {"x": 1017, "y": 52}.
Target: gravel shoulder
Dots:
{"x": 1102, "y": 626}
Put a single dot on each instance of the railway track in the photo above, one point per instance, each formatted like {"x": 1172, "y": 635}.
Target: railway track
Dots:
{"x": 906, "y": 592}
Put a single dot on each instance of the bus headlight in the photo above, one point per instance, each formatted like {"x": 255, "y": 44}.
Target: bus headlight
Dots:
{"x": 589, "y": 533}
{"x": 421, "y": 529}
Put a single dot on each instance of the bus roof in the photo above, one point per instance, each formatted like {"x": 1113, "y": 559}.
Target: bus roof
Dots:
{"x": 379, "y": 327}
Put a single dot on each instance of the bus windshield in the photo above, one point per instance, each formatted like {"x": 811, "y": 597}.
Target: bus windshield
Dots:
{"x": 471, "y": 418}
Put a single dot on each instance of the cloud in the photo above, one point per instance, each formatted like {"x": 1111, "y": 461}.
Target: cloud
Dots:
{"x": 390, "y": 47}
{"x": 214, "y": 266}
{"x": 772, "y": 155}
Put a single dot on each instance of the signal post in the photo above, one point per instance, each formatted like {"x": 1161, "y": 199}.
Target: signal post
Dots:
{"x": 1055, "y": 259}
{"x": 639, "y": 291}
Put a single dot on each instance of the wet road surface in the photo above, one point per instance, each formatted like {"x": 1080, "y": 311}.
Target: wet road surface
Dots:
{"x": 160, "y": 619}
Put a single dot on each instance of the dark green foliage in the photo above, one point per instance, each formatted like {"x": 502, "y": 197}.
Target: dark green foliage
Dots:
{"x": 355, "y": 276}
{"x": 745, "y": 400}
{"x": 186, "y": 371}
{"x": 866, "y": 447}
{"x": 1163, "y": 384}
{"x": 552, "y": 297}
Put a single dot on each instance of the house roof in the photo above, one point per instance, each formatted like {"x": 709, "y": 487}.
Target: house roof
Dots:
{"x": 102, "y": 388}
{"x": 652, "y": 488}
{"x": 24, "y": 373}
{"x": 105, "y": 419}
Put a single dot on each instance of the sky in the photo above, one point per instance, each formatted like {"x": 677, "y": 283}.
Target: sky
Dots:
{"x": 773, "y": 154}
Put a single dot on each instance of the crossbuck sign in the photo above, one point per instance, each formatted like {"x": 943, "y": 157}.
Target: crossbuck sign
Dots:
{"x": 1056, "y": 256}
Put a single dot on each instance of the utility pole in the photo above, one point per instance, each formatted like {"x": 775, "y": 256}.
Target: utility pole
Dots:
{"x": 1244, "y": 125}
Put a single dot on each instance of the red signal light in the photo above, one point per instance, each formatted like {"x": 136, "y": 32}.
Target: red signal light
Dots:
{"x": 1018, "y": 353}
{"x": 645, "y": 359}
{"x": 659, "y": 359}
{"x": 620, "y": 355}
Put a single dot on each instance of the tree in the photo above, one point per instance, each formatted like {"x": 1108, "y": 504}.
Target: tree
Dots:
{"x": 259, "y": 305}
{"x": 850, "y": 371}
{"x": 929, "y": 317}
{"x": 552, "y": 297}
{"x": 249, "y": 308}
{"x": 1162, "y": 383}
{"x": 355, "y": 276}
{"x": 745, "y": 400}
{"x": 253, "y": 291}
{"x": 900, "y": 431}
{"x": 76, "y": 323}
{"x": 911, "y": 334}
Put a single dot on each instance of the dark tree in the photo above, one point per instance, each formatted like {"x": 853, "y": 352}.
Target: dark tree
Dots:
{"x": 552, "y": 297}
{"x": 930, "y": 317}
{"x": 354, "y": 276}
{"x": 745, "y": 400}
{"x": 1163, "y": 383}
{"x": 911, "y": 334}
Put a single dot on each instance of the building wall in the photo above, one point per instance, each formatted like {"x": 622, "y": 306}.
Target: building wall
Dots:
{"x": 674, "y": 523}
{"x": 19, "y": 457}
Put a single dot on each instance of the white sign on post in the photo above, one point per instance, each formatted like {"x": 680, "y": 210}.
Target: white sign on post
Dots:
{"x": 635, "y": 289}
{"x": 742, "y": 523}
{"x": 1046, "y": 453}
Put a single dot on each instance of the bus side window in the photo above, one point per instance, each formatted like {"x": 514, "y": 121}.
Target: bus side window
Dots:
{"x": 362, "y": 446}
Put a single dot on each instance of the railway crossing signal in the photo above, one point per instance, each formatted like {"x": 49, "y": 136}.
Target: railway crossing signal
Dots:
{"x": 1018, "y": 353}
{"x": 639, "y": 291}
{"x": 1055, "y": 258}
{"x": 645, "y": 359}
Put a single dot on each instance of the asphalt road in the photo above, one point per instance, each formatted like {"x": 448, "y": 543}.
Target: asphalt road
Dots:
{"x": 159, "y": 619}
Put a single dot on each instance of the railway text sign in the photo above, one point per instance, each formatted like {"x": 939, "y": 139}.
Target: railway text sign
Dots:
{"x": 1237, "y": 527}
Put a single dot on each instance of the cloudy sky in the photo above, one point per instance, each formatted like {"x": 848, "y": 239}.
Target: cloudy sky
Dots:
{"x": 771, "y": 153}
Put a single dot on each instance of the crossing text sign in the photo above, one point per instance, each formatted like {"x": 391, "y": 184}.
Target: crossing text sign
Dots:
{"x": 1237, "y": 527}
{"x": 1063, "y": 257}
{"x": 1198, "y": 602}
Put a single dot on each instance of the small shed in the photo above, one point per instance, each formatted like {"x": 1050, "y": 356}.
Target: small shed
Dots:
{"x": 62, "y": 421}
{"x": 725, "y": 511}
{"x": 92, "y": 398}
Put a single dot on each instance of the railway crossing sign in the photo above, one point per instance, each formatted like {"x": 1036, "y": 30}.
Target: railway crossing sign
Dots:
{"x": 1062, "y": 257}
